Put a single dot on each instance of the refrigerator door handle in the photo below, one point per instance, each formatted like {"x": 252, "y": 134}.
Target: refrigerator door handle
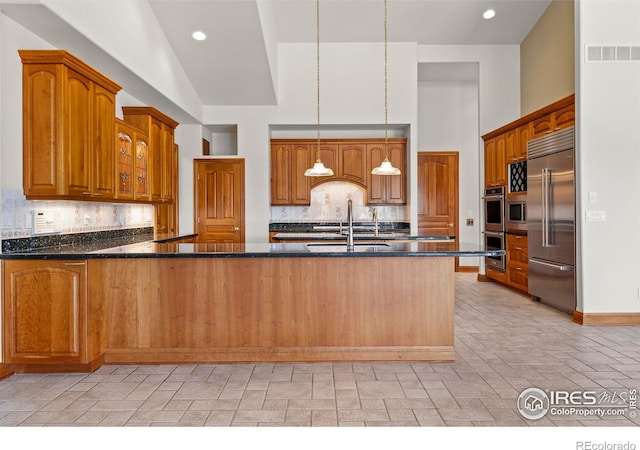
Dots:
{"x": 546, "y": 203}
{"x": 560, "y": 267}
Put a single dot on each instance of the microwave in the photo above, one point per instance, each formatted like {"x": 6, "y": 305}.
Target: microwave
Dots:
{"x": 516, "y": 213}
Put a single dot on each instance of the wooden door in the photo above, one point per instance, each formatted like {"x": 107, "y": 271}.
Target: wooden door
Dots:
{"x": 219, "y": 195}
{"x": 438, "y": 193}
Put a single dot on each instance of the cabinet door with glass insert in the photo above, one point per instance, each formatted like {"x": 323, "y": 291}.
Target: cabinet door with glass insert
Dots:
{"x": 124, "y": 161}
{"x": 141, "y": 167}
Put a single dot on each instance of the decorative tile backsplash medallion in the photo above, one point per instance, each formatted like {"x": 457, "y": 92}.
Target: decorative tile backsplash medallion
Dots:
{"x": 68, "y": 216}
{"x": 329, "y": 204}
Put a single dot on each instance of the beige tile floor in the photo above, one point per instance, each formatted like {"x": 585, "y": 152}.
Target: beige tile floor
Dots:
{"x": 504, "y": 344}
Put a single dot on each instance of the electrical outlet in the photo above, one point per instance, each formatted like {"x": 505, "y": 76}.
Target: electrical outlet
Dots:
{"x": 469, "y": 222}
{"x": 87, "y": 220}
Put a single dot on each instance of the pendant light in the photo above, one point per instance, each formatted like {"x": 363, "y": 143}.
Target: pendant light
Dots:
{"x": 385, "y": 168}
{"x": 318, "y": 169}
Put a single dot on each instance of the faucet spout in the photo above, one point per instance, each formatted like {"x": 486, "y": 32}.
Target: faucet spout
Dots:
{"x": 349, "y": 226}
{"x": 375, "y": 222}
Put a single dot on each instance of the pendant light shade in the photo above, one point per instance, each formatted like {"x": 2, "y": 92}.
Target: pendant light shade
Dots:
{"x": 318, "y": 169}
{"x": 385, "y": 168}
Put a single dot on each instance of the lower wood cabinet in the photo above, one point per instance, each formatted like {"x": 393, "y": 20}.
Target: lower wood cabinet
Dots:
{"x": 518, "y": 261}
{"x": 48, "y": 316}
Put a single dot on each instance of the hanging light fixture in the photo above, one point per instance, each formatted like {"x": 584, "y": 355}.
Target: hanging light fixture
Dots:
{"x": 318, "y": 169}
{"x": 385, "y": 168}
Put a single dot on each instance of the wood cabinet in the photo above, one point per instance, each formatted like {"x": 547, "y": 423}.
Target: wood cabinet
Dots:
{"x": 160, "y": 130}
{"x": 553, "y": 121}
{"x": 518, "y": 261}
{"x": 132, "y": 162}
{"x": 166, "y": 214}
{"x": 350, "y": 159}
{"x": 68, "y": 123}
{"x": 47, "y": 313}
{"x": 383, "y": 189}
{"x": 289, "y": 186}
{"x": 508, "y": 143}
{"x": 495, "y": 169}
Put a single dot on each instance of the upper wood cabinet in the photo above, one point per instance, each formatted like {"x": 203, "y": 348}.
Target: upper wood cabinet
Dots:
{"x": 495, "y": 171}
{"x": 68, "y": 123}
{"x": 132, "y": 163}
{"x": 508, "y": 143}
{"x": 160, "y": 129}
{"x": 350, "y": 159}
{"x": 556, "y": 120}
{"x": 289, "y": 186}
{"x": 385, "y": 189}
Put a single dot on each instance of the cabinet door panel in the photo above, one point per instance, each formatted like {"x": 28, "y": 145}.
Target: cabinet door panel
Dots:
{"x": 376, "y": 184}
{"x": 40, "y": 122}
{"x": 353, "y": 163}
{"x": 155, "y": 156}
{"x": 397, "y": 184}
{"x": 280, "y": 174}
{"x": 78, "y": 120}
{"x": 125, "y": 166}
{"x": 44, "y": 311}
{"x": 103, "y": 157}
{"x": 330, "y": 158}
{"x": 300, "y": 184}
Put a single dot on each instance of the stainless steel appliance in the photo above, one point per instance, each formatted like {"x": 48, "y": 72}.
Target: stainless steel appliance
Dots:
{"x": 551, "y": 219}
{"x": 494, "y": 240}
{"x": 516, "y": 213}
{"x": 494, "y": 209}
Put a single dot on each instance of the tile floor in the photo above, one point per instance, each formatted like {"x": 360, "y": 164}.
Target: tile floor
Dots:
{"x": 504, "y": 344}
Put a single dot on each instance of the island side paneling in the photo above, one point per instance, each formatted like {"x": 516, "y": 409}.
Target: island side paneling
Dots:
{"x": 162, "y": 310}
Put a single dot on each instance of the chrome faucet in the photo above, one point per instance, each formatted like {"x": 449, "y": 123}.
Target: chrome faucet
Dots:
{"x": 375, "y": 221}
{"x": 349, "y": 226}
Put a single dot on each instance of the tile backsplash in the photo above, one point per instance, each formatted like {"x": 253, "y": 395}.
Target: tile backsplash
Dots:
{"x": 69, "y": 216}
{"x": 329, "y": 204}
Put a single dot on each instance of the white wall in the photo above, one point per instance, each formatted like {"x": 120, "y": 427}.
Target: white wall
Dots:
{"x": 608, "y": 159}
{"x": 352, "y": 92}
{"x": 448, "y": 121}
{"x": 497, "y": 102}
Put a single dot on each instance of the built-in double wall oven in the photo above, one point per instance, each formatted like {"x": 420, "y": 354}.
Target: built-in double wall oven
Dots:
{"x": 494, "y": 225}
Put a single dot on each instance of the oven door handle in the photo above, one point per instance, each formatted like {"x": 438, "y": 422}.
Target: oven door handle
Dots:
{"x": 494, "y": 234}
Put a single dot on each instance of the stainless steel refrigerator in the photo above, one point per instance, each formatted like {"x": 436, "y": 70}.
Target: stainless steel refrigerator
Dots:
{"x": 551, "y": 219}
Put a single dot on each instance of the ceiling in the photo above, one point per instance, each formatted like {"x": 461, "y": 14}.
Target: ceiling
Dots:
{"x": 232, "y": 66}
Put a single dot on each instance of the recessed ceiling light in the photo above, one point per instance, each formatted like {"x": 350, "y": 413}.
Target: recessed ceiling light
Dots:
{"x": 198, "y": 35}
{"x": 489, "y": 14}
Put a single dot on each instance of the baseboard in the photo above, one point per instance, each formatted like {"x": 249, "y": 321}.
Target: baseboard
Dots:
{"x": 606, "y": 318}
{"x": 483, "y": 278}
{"x": 54, "y": 367}
{"x": 5, "y": 371}
{"x": 472, "y": 269}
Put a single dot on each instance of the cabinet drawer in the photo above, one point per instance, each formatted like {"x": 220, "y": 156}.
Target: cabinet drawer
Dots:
{"x": 519, "y": 275}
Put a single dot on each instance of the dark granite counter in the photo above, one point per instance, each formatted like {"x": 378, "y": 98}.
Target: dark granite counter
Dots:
{"x": 315, "y": 227}
{"x": 150, "y": 249}
{"x": 358, "y": 236}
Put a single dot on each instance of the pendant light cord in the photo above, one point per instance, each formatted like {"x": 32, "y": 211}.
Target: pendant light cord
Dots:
{"x": 386, "y": 62}
{"x": 318, "y": 75}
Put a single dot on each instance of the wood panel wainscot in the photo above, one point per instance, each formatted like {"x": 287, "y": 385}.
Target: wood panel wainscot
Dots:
{"x": 166, "y": 310}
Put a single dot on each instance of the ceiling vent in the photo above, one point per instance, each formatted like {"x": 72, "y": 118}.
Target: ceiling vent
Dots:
{"x": 610, "y": 53}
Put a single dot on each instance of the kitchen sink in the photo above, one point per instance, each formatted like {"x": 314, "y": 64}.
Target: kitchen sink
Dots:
{"x": 357, "y": 247}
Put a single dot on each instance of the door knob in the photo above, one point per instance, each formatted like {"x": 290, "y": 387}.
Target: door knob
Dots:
{"x": 450, "y": 225}
{"x": 236, "y": 228}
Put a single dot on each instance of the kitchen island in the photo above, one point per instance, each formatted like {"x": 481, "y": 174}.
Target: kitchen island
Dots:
{"x": 177, "y": 303}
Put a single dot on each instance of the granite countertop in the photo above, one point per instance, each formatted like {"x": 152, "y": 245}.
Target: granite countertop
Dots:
{"x": 358, "y": 236}
{"x": 150, "y": 249}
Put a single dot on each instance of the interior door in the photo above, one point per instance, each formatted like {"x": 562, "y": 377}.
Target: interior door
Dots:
{"x": 438, "y": 193}
{"x": 219, "y": 195}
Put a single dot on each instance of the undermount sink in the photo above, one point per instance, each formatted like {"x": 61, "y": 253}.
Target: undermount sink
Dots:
{"x": 357, "y": 247}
